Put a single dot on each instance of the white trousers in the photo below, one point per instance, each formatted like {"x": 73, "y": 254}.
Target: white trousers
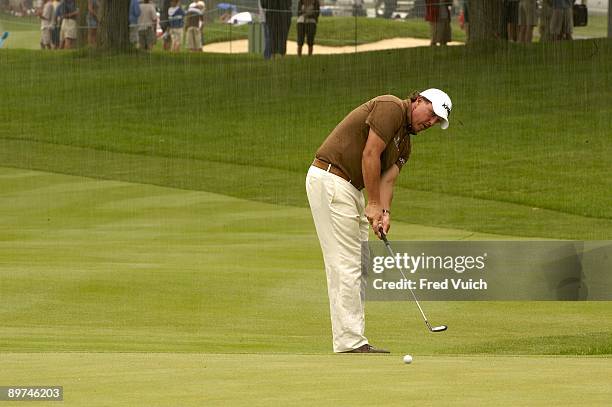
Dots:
{"x": 338, "y": 210}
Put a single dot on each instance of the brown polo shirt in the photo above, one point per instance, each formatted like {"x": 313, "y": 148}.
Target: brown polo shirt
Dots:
{"x": 389, "y": 117}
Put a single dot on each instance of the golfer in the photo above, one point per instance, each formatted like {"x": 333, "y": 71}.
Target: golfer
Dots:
{"x": 366, "y": 150}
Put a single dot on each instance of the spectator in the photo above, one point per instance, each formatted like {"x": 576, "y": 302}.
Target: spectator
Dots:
{"x": 437, "y": 12}
{"x": 193, "y": 20}
{"x": 389, "y": 7}
{"x": 464, "y": 19}
{"x": 545, "y": 17}
{"x": 46, "y": 21}
{"x": 266, "y": 30}
{"x": 511, "y": 12}
{"x": 20, "y": 9}
{"x": 278, "y": 19}
{"x": 202, "y": 6}
{"x": 134, "y": 13}
{"x": 147, "y": 21}
{"x": 359, "y": 9}
{"x": 93, "y": 11}
{"x": 527, "y": 20}
{"x": 562, "y": 20}
{"x": 55, "y": 25}
{"x": 308, "y": 16}
{"x": 176, "y": 21}
{"x": 164, "y": 24}
{"x": 68, "y": 12}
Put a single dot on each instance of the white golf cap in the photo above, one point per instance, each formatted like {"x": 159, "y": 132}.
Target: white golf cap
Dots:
{"x": 193, "y": 8}
{"x": 441, "y": 103}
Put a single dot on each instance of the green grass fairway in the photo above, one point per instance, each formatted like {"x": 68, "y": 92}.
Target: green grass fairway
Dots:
{"x": 134, "y": 294}
{"x": 157, "y": 379}
{"x": 527, "y": 153}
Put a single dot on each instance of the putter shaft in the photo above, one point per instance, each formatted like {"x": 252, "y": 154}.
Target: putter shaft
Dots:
{"x": 390, "y": 250}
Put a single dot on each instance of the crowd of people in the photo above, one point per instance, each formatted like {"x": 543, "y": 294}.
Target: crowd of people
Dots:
{"x": 179, "y": 24}
{"x": 554, "y": 19}
{"x": 275, "y": 16}
{"x": 58, "y": 23}
{"x": 59, "y": 27}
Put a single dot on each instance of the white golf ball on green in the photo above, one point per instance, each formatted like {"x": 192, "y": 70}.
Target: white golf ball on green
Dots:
{"x": 407, "y": 359}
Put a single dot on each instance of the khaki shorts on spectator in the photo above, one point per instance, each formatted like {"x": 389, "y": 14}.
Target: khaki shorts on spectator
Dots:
{"x": 146, "y": 38}
{"x": 69, "y": 29}
{"x": 562, "y": 21}
{"x": 177, "y": 36}
{"x": 45, "y": 36}
{"x": 194, "y": 38}
{"x": 528, "y": 13}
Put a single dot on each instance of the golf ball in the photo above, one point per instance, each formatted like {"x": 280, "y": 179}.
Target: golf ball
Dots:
{"x": 407, "y": 359}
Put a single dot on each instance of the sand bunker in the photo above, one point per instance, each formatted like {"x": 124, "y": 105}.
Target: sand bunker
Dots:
{"x": 242, "y": 46}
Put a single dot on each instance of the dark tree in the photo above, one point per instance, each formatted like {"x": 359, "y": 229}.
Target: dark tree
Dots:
{"x": 82, "y": 22}
{"x": 113, "y": 31}
{"x": 609, "y": 20}
{"x": 485, "y": 20}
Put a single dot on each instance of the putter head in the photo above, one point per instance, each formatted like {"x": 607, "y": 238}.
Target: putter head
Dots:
{"x": 439, "y": 328}
{"x": 4, "y": 35}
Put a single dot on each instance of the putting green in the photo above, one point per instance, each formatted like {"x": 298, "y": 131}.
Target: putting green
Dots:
{"x": 98, "y": 276}
{"x": 158, "y": 379}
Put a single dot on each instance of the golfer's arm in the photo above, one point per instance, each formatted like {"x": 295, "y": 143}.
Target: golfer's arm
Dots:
{"x": 387, "y": 182}
{"x": 370, "y": 166}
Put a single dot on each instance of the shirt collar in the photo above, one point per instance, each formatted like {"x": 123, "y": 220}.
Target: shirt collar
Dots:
{"x": 408, "y": 106}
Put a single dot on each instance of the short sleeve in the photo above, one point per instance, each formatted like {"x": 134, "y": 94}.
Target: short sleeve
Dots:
{"x": 385, "y": 119}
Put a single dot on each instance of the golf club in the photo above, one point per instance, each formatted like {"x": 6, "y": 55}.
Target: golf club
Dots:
{"x": 431, "y": 328}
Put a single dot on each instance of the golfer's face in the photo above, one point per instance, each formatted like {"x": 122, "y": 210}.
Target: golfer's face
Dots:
{"x": 423, "y": 116}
